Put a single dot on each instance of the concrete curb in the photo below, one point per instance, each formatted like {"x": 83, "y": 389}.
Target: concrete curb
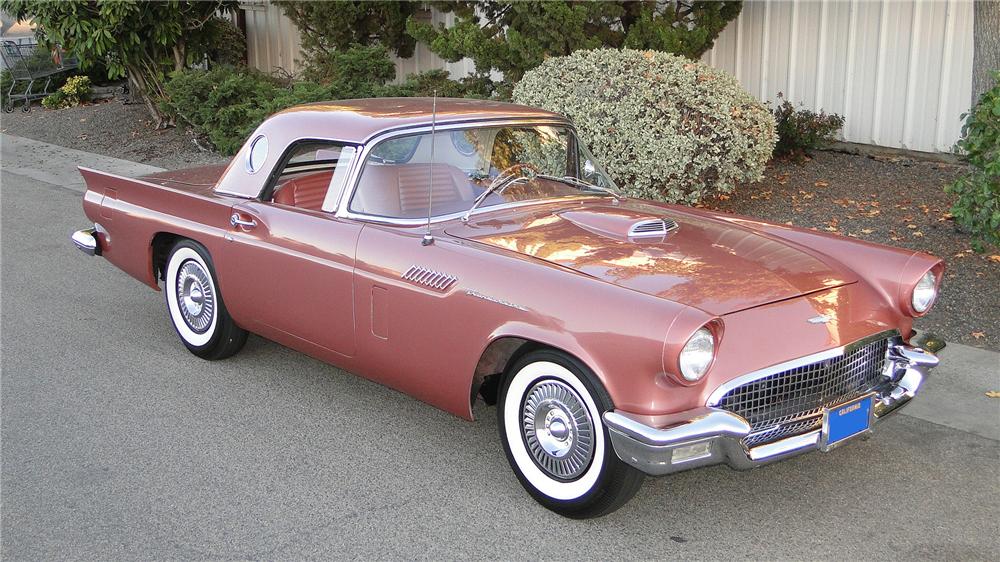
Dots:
{"x": 57, "y": 165}
{"x": 955, "y": 392}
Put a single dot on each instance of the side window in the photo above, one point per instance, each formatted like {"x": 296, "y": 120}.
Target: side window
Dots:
{"x": 313, "y": 175}
{"x": 399, "y": 173}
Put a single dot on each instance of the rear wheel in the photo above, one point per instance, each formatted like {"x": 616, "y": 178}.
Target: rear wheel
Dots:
{"x": 549, "y": 415}
{"x": 195, "y": 304}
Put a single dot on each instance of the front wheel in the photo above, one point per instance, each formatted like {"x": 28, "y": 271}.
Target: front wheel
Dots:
{"x": 195, "y": 304}
{"x": 549, "y": 417}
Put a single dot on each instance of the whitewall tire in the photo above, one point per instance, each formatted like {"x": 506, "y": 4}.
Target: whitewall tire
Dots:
{"x": 195, "y": 303}
{"x": 549, "y": 416}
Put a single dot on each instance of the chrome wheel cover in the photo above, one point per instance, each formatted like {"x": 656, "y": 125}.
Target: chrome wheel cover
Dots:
{"x": 557, "y": 429}
{"x": 195, "y": 297}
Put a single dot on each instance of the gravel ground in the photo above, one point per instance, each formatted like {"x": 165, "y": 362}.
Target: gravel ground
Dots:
{"x": 112, "y": 129}
{"x": 896, "y": 201}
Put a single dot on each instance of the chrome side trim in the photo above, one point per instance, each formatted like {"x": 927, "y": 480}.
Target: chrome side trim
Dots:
{"x": 86, "y": 242}
{"x": 495, "y": 300}
{"x": 716, "y": 396}
{"x": 429, "y": 278}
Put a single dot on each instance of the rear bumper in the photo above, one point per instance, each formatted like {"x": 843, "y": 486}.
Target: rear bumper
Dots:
{"x": 86, "y": 241}
{"x": 707, "y": 436}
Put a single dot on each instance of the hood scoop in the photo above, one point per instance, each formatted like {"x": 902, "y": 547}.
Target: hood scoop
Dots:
{"x": 621, "y": 224}
{"x": 653, "y": 228}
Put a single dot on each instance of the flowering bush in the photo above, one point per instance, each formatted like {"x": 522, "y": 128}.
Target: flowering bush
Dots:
{"x": 72, "y": 93}
{"x": 665, "y": 127}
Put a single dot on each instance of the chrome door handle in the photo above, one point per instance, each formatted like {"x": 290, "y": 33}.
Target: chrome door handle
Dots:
{"x": 235, "y": 220}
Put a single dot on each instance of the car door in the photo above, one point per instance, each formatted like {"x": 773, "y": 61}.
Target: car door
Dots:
{"x": 291, "y": 267}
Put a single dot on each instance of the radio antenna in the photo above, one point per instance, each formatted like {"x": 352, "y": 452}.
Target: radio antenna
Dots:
{"x": 428, "y": 238}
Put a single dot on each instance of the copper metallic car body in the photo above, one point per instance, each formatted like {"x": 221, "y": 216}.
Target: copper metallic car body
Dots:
{"x": 434, "y": 320}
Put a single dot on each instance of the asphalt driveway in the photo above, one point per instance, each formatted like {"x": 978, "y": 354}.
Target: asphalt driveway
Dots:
{"x": 118, "y": 443}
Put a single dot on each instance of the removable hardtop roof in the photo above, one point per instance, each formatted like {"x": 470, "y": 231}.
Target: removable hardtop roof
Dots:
{"x": 355, "y": 122}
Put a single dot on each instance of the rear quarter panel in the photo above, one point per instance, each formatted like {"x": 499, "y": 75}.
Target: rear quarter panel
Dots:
{"x": 130, "y": 212}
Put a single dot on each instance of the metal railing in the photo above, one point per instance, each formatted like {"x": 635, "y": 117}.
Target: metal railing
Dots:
{"x": 29, "y": 65}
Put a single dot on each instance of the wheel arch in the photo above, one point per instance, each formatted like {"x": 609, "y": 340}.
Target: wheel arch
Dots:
{"x": 159, "y": 251}
{"x": 506, "y": 347}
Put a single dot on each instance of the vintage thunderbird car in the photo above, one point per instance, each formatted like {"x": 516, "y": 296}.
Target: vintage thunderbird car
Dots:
{"x": 473, "y": 249}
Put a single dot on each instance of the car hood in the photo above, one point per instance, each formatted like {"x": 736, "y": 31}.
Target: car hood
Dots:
{"x": 706, "y": 262}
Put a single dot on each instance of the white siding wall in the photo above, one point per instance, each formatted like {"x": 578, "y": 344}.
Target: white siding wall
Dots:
{"x": 423, "y": 59}
{"x": 900, "y": 72}
{"x": 273, "y": 41}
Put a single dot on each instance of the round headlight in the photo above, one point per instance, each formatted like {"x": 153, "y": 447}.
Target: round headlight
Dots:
{"x": 924, "y": 293}
{"x": 697, "y": 355}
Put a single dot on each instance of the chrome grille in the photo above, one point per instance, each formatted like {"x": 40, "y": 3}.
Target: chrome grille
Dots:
{"x": 791, "y": 402}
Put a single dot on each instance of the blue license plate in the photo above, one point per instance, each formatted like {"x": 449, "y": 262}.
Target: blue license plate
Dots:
{"x": 847, "y": 420}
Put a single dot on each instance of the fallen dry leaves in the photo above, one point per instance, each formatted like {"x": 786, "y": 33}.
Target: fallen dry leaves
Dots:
{"x": 993, "y": 394}
{"x": 978, "y": 335}
{"x": 995, "y": 258}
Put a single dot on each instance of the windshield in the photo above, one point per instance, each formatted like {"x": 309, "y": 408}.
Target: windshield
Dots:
{"x": 481, "y": 166}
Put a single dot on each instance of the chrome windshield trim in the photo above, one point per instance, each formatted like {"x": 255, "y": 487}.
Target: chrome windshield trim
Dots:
{"x": 716, "y": 396}
{"x": 353, "y": 180}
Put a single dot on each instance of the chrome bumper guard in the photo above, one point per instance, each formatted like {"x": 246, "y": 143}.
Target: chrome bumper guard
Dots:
{"x": 86, "y": 241}
{"x": 706, "y": 436}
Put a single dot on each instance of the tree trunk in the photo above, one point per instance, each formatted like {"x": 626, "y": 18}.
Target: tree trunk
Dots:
{"x": 142, "y": 89}
{"x": 986, "y": 36}
{"x": 180, "y": 55}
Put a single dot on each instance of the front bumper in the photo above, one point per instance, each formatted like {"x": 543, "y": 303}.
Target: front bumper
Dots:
{"x": 706, "y": 436}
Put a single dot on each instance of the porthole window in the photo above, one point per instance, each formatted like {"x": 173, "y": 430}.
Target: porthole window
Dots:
{"x": 463, "y": 142}
{"x": 257, "y": 154}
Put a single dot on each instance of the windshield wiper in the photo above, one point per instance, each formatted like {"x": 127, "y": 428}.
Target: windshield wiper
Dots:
{"x": 585, "y": 185}
{"x": 496, "y": 186}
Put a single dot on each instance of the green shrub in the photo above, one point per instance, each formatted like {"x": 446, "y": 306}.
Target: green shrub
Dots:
{"x": 355, "y": 68}
{"x": 221, "y": 103}
{"x": 428, "y": 83}
{"x": 75, "y": 91}
{"x": 978, "y": 204}
{"x": 224, "y": 44}
{"x": 225, "y": 103}
{"x": 801, "y": 130}
{"x": 665, "y": 127}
